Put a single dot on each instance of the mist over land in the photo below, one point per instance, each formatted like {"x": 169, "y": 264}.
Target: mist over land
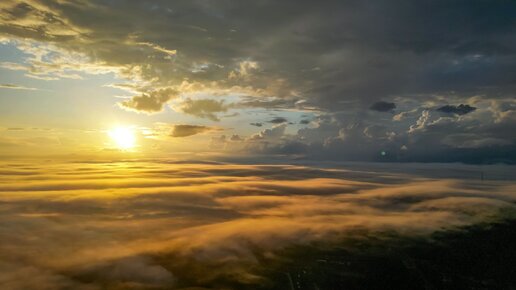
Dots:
{"x": 159, "y": 224}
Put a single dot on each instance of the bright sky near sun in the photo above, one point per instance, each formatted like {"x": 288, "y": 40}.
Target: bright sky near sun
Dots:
{"x": 82, "y": 115}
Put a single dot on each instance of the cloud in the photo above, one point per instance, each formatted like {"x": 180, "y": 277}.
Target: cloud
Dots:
{"x": 421, "y": 134}
{"x": 270, "y": 134}
{"x": 475, "y": 60}
{"x": 189, "y": 130}
{"x": 218, "y": 219}
{"x": 203, "y": 108}
{"x": 151, "y": 102}
{"x": 245, "y": 68}
{"x": 335, "y": 66}
{"x": 16, "y": 87}
{"x": 459, "y": 110}
{"x": 278, "y": 120}
{"x": 382, "y": 106}
{"x": 407, "y": 114}
{"x": 257, "y": 124}
{"x": 376, "y": 132}
{"x": 304, "y": 122}
{"x": 235, "y": 137}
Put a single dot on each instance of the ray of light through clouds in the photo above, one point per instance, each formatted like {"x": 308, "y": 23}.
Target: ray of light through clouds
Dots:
{"x": 235, "y": 144}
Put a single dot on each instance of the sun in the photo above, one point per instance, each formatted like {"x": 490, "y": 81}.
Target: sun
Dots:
{"x": 123, "y": 137}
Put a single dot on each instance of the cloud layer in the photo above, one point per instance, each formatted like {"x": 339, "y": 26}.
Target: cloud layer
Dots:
{"x": 172, "y": 225}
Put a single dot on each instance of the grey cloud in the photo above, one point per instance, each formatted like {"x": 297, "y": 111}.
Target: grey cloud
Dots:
{"x": 383, "y": 106}
{"x": 459, "y": 110}
{"x": 270, "y": 134}
{"x": 278, "y": 120}
{"x": 479, "y": 137}
{"x": 348, "y": 55}
{"x": 233, "y": 144}
{"x": 189, "y": 130}
{"x": 235, "y": 137}
{"x": 204, "y": 108}
{"x": 380, "y": 50}
{"x": 258, "y": 102}
{"x": 151, "y": 102}
{"x": 257, "y": 124}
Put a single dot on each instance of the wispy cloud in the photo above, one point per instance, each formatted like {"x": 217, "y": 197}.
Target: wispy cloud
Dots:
{"x": 16, "y": 87}
{"x": 190, "y": 130}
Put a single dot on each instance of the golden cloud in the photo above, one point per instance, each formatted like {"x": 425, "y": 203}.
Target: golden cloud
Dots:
{"x": 153, "y": 223}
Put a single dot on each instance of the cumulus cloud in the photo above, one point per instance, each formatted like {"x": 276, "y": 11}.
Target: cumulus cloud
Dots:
{"x": 150, "y": 102}
{"x": 273, "y": 133}
{"x": 420, "y": 135}
{"x": 234, "y": 144}
{"x": 160, "y": 224}
{"x": 245, "y": 68}
{"x": 203, "y": 108}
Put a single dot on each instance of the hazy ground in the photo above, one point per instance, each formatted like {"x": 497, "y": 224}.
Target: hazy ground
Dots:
{"x": 157, "y": 224}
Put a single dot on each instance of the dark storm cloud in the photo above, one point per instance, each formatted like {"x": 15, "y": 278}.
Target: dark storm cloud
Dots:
{"x": 459, "y": 110}
{"x": 383, "y": 106}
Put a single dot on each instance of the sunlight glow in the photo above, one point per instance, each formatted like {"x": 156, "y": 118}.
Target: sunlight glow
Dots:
{"x": 124, "y": 137}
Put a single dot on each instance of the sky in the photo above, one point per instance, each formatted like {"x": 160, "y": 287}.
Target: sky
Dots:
{"x": 429, "y": 81}
{"x": 204, "y": 144}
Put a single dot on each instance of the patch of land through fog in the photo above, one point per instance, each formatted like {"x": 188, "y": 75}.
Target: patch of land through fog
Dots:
{"x": 158, "y": 224}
